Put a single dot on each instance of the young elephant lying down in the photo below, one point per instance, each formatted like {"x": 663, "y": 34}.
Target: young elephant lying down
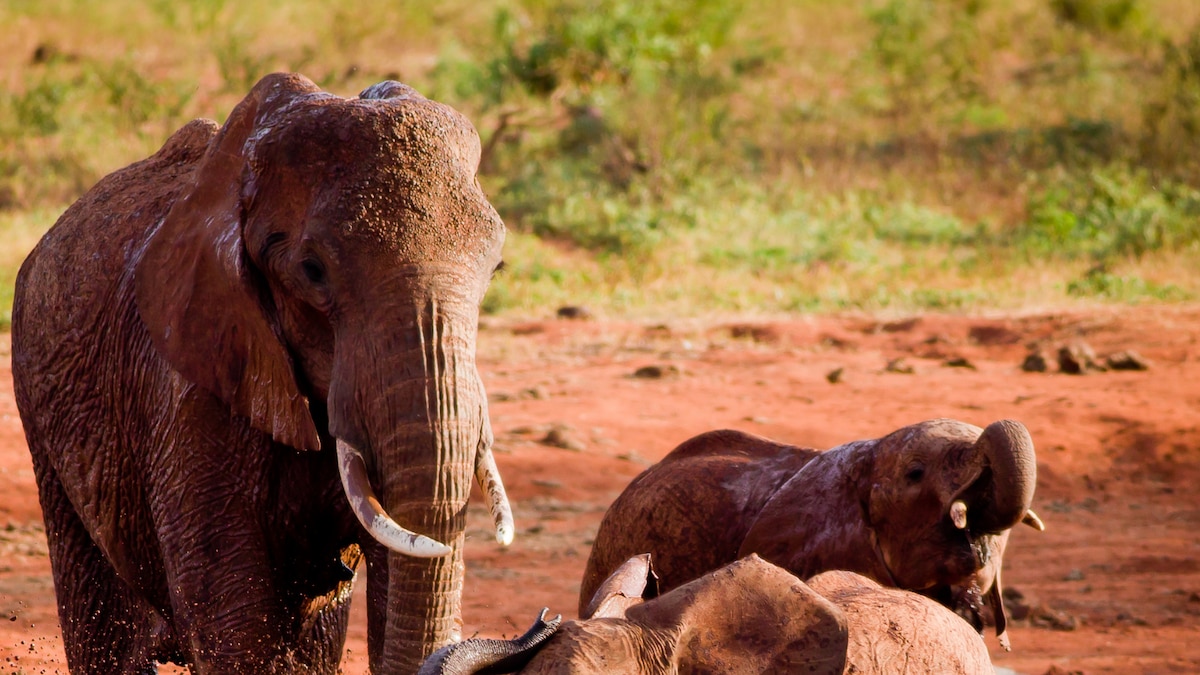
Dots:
{"x": 747, "y": 617}
{"x": 928, "y": 508}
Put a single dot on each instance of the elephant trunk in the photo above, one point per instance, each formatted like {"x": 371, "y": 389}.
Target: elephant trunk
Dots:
{"x": 479, "y": 655}
{"x": 413, "y": 405}
{"x": 1001, "y": 496}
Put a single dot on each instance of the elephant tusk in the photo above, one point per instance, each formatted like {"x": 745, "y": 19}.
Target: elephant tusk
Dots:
{"x": 371, "y": 514}
{"x": 488, "y": 476}
{"x": 1031, "y": 519}
{"x": 958, "y": 514}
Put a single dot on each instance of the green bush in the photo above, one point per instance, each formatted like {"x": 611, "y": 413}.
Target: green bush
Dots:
{"x": 1107, "y": 215}
{"x": 1099, "y": 283}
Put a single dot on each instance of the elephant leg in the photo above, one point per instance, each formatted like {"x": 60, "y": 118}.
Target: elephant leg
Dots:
{"x": 224, "y": 596}
{"x": 320, "y": 648}
{"x": 106, "y": 627}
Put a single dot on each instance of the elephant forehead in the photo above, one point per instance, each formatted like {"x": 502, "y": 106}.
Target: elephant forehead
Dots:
{"x": 929, "y": 439}
{"x": 398, "y": 174}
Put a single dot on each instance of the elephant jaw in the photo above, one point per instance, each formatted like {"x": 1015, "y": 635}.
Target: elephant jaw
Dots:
{"x": 385, "y": 530}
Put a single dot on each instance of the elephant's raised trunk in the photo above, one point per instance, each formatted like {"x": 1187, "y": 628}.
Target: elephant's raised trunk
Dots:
{"x": 1001, "y": 496}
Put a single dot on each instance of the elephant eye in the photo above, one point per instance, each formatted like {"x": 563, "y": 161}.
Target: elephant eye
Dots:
{"x": 274, "y": 239}
{"x": 915, "y": 474}
{"x": 313, "y": 270}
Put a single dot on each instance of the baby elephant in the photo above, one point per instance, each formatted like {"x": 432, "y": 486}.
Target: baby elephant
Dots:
{"x": 747, "y": 617}
{"x": 928, "y": 507}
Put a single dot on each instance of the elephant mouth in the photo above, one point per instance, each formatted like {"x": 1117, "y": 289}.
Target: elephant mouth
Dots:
{"x": 384, "y": 529}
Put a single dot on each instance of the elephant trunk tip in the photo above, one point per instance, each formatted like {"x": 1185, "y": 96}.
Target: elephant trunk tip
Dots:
{"x": 1002, "y": 499}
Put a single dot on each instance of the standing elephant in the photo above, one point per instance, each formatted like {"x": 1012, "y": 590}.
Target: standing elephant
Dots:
{"x": 200, "y": 331}
{"x": 927, "y": 508}
{"x": 748, "y": 617}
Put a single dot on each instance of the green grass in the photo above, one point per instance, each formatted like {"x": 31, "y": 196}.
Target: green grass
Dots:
{"x": 696, "y": 156}
{"x": 19, "y": 232}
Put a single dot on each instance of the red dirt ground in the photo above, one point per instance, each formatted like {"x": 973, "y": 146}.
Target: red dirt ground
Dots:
{"x": 1112, "y": 586}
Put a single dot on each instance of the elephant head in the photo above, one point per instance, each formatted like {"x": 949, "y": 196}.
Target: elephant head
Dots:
{"x": 749, "y": 616}
{"x": 322, "y": 275}
{"x": 927, "y": 507}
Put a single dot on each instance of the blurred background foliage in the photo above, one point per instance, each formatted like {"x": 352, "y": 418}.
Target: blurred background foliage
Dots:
{"x": 692, "y": 156}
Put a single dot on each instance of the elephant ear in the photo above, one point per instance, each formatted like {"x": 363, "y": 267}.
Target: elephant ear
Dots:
{"x": 204, "y": 305}
{"x": 633, "y": 583}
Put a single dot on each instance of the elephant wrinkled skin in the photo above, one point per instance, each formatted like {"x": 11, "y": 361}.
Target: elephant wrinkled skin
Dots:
{"x": 927, "y": 508}
{"x": 750, "y": 616}
{"x": 229, "y": 355}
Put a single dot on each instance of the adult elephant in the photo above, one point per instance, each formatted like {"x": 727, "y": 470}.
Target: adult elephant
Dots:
{"x": 927, "y": 507}
{"x": 197, "y": 334}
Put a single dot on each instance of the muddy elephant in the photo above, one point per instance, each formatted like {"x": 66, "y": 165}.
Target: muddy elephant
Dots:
{"x": 927, "y": 507}
{"x": 247, "y": 362}
{"x": 748, "y": 617}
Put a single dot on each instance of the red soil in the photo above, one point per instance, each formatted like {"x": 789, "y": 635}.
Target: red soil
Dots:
{"x": 1112, "y": 586}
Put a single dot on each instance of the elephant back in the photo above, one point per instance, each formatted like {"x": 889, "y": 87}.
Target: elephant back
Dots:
{"x": 76, "y": 270}
{"x": 692, "y": 509}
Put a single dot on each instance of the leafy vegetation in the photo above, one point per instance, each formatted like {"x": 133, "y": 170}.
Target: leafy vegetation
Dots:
{"x": 686, "y": 156}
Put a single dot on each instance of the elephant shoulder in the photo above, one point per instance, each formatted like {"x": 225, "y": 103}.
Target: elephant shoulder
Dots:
{"x": 73, "y": 291}
{"x": 131, "y": 200}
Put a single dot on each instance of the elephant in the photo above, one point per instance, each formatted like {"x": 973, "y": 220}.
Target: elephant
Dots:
{"x": 926, "y": 508}
{"x": 246, "y": 364}
{"x": 748, "y": 616}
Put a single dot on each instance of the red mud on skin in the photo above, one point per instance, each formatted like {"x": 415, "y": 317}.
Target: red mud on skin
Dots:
{"x": 1118, "y": 462}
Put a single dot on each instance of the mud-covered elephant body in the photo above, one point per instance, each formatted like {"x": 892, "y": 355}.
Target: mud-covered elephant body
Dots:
{"x": 197, "y": 334}
{"x": 749, "y": 616}
{"x": 926, "y": 508}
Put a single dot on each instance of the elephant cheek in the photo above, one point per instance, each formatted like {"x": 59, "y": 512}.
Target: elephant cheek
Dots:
{"x": 930, "y": 558}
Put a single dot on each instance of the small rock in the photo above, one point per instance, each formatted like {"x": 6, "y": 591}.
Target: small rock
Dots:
{"x": 1059, "y": 670}
{"x": 1074, "y": 575}
{"x": 634, "y": 457}
{"x": 1035, "y": 362}
{"x": 834, "y": 376}
{"x": 537, "y": 393}
{"x": 1015, "y": 604}
{"x": 1053, "y": 619}
{"x": 1127, "y": 360}
{"x": 959, "y": 362}
{"x": 899, "y": 366}
{"x": 546, "y": 483}
{"x": 757, "y": 419}
{"x": 757, "y": 333}
{"x": 1078, "y": 358}
{"x": 656, "y": 372}
{"x": 560, "y": 436}
{"x": 990, "y": 335}
{"x": 573, "y": 312}
{"x": 901, "y": 326}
